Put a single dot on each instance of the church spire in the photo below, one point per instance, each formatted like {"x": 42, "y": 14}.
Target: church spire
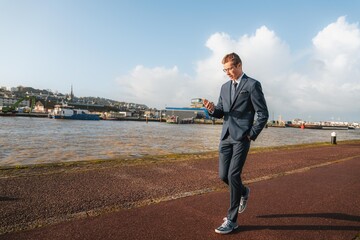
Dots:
{"x": 72, "y": 93}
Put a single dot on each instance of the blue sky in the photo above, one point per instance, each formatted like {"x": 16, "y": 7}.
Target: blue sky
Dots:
{"x": 163, "y": 53}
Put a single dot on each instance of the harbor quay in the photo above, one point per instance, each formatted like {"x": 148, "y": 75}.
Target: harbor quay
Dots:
{"x": 190, "y": 119}
{"x": 45, "y": 115}
{"x": 44, "y": 103}
{"x": 307, "y": 191}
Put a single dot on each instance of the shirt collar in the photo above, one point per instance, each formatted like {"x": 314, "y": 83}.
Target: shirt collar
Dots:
{"x": 239, "y": 79}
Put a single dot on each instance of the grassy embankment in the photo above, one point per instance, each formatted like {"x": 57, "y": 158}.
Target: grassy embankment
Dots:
{"x": 47, "y": 168}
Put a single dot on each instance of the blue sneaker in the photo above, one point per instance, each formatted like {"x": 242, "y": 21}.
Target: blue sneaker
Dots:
{"x": 243, "y": 200}
{"x": 227, "y": 227}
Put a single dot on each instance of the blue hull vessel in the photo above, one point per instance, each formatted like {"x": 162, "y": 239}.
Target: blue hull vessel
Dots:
{"x": 80, "y": 117}
{"x": 66, "y": 112}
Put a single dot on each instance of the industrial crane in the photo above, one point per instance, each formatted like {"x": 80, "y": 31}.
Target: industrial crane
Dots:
{"x": 13, "y": 108}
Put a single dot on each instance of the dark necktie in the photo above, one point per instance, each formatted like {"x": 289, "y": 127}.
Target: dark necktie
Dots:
{"x": 233, "y": 90}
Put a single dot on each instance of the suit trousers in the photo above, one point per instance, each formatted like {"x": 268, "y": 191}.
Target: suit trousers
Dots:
{"x": 232, "y": 156}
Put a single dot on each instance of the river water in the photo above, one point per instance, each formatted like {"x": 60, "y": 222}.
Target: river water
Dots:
{"x": 25, "y": 140}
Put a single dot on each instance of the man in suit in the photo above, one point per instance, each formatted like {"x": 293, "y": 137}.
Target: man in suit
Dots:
{"x": 240, "y": 98}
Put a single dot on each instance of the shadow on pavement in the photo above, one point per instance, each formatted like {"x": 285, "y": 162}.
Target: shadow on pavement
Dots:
{"x": 244, "y": 228}
{"x": 338, "y": 216}
{"x": 3, "y": 199}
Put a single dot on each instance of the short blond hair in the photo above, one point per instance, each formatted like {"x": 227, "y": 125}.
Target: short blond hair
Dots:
{"x": 233, "y": 57}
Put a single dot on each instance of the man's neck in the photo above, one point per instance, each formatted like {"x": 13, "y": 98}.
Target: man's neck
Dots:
{"x": 238, "y": 79}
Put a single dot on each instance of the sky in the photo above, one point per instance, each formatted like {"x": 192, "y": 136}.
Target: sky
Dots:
{"x": 163, "y": 53}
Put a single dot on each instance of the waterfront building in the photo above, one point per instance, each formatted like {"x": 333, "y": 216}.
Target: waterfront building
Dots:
{"x": 195, "y": 111}
{"x": 39, "y": 107}
{"x": 125, "y": 114}
{"x": 186, "y": 112}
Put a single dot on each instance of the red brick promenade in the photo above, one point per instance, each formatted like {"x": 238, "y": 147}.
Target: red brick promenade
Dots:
{"x": 296, "y": 193}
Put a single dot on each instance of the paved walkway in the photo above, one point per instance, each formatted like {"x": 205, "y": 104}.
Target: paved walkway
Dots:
{"x": 319, "y": 203}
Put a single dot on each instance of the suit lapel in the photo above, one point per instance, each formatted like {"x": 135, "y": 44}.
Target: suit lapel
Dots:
{"x": 228, "y": 98}
{"x": 238, "y": 89}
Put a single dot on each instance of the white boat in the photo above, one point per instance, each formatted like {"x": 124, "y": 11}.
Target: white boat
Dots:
{"x": 67, "y": 112}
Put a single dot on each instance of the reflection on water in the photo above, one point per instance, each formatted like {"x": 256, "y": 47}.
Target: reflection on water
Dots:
{"x": 32, "y": 140}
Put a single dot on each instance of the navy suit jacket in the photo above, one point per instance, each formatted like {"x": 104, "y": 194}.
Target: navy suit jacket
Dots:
{"x": 239, "y": 115}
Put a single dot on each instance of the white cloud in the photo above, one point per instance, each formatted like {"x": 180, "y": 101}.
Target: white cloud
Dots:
{"x": 338, "y": 45}
{"x": 326, "y": 86}
{"x": 322, "y": 83}
{"x": 336, "y": 76}
{"x": 154, "y": 87}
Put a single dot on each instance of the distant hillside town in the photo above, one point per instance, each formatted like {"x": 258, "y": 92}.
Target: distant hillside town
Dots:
{"x": 24, "y": 100}
{"x": 46, "y": 99}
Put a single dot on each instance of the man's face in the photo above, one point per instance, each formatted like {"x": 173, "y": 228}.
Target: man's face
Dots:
{"x": 233, "y": 72}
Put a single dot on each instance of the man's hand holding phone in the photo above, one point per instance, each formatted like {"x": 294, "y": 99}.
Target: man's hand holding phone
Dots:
{"x": 209, "y": 105}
